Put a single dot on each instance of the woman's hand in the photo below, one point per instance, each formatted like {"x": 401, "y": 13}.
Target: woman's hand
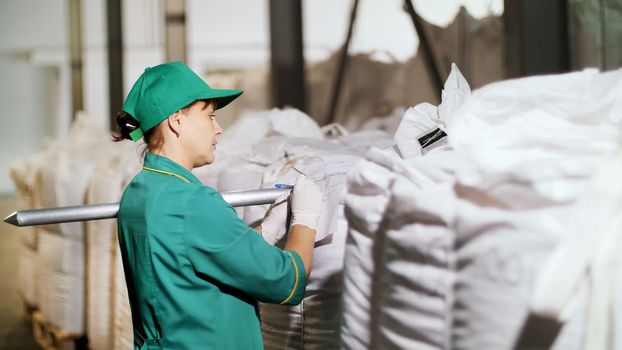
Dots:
{"x": 274, "y": 225}
{"x": 306, "y": 203}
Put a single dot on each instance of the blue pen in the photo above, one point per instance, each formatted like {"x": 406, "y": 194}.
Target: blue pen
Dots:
{"x": 283, "y": 186}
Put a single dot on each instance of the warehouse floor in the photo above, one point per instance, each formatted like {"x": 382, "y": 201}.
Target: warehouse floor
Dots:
{"x": 15, "y": 328}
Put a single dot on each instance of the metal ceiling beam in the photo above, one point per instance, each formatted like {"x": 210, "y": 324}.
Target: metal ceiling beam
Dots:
{"x": 175, "y": 30}
{"x": 286, "y": 58}
{"x": 75, "y": 48}
{"x": 342, "y": 66}
{"x": 115, "y": 58}
{"x": 536, "y": 37}
{"x": 425, "y": 48}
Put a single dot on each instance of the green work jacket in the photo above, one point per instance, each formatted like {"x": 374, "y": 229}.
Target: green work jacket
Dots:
{"x": 194, "y": 270}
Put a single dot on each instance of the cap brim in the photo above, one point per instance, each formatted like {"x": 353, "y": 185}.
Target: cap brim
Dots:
{"x": 223, "y": 97}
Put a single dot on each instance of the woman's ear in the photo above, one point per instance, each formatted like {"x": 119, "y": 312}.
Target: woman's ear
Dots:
{"x": 174, "y": 123}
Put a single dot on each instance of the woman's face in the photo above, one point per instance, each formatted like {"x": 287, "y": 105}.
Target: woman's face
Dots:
{"x": 200, "y": 133}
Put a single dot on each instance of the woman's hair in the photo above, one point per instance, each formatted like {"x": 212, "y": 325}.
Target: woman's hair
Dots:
{"x": 127, "y": 124}
{"x": 153, "y": 137}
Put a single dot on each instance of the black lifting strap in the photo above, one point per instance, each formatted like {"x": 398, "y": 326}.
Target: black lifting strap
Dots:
{"x": 425, "y": 49}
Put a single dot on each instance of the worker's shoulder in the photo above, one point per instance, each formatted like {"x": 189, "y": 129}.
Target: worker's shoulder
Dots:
{"x": 203, "y": 194}
{"x": 173, "y": 190}
{"x": 180, "y": 193}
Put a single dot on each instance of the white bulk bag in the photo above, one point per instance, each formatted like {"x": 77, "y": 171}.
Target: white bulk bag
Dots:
{"x": 586, "y": 264}
{"x": 123, "y": 330}
{"x": 548, "y": 131}
{"x": 24, "y": 174}
{"x": 61, "y": 281}
{"x": 314, "y": 324}
{"x": 66, "y": 171}
{"x": 388, "y": 124}
{"x": 535, "y": 143}
{"x": 399, "y": 274}
{"x": 27, "y": 270}
{"x": 61, "y": 253}
{"x": 498, "y": 255}
{"x": 237, "y": 143}
{"x": 366, "y": 201}
{"x": 424, "y": 126}
{"x": 62, "y": 300}
{"x": 118, "y": 166}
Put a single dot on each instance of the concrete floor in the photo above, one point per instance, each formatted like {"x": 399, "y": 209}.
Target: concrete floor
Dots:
{"x": 15, "y": 328}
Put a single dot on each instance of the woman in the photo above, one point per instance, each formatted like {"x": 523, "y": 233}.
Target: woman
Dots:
{"x": 194, "y": 270}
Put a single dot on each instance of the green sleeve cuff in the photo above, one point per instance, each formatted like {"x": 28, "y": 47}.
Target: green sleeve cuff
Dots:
{"x": 300, "y": 281}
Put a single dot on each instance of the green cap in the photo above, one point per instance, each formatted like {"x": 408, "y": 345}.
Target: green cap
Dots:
{"x": 166, "y": 88}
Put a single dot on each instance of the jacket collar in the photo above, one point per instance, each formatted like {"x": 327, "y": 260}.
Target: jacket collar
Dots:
{"x": 165, "y": 166}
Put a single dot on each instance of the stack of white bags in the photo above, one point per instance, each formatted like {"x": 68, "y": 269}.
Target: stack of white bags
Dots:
{"x": 107, "y": 301}
{"x": 398, "y": 265}
{"x": 53, "y": 266}
{"x": 272, "y": 147}
{"x": 24, "y": 173}
{"x": 469, "y": 241}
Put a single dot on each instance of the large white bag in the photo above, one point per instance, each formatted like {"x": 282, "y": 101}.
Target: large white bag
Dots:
{"x": 535, "y": 144}
{"x": 237, "y": 143}
{"x": 118, "y": 166}
{"x": 398, "y": 274}
{"x": 398, "y": 270}
{"x": 67, "y": 169}
{"x": 424, "y": 126}
{"x": 314, "y": 324}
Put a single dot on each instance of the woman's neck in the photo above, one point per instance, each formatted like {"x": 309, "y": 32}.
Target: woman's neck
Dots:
{"x": 175, "y": 156}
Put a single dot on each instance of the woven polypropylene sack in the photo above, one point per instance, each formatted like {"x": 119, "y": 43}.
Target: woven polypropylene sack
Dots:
{"x": 123, "y": 331}
{"x": 106, "y": 186}
{"x": 398, "y": 271}
{"x": 315, "y": 323}
{"x": 28, "y": 264}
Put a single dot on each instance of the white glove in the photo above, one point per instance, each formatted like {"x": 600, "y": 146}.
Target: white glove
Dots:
{"x": 274, "y": 225}
{"x": 306, "y": 203}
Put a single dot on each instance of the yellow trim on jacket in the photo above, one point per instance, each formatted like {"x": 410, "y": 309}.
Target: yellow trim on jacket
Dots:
{"x": 295, "y": 283}
{"x": 166, "y": 172}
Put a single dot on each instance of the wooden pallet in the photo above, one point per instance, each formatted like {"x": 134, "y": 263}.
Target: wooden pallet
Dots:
{"x": 50, "y": 337}
{"x": 29, "y": 310}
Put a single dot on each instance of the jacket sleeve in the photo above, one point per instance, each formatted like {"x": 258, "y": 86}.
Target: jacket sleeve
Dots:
{"x": 223, "y": 247}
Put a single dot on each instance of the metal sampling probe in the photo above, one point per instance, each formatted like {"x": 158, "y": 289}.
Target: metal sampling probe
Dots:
{"x": 110, "y": 210}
